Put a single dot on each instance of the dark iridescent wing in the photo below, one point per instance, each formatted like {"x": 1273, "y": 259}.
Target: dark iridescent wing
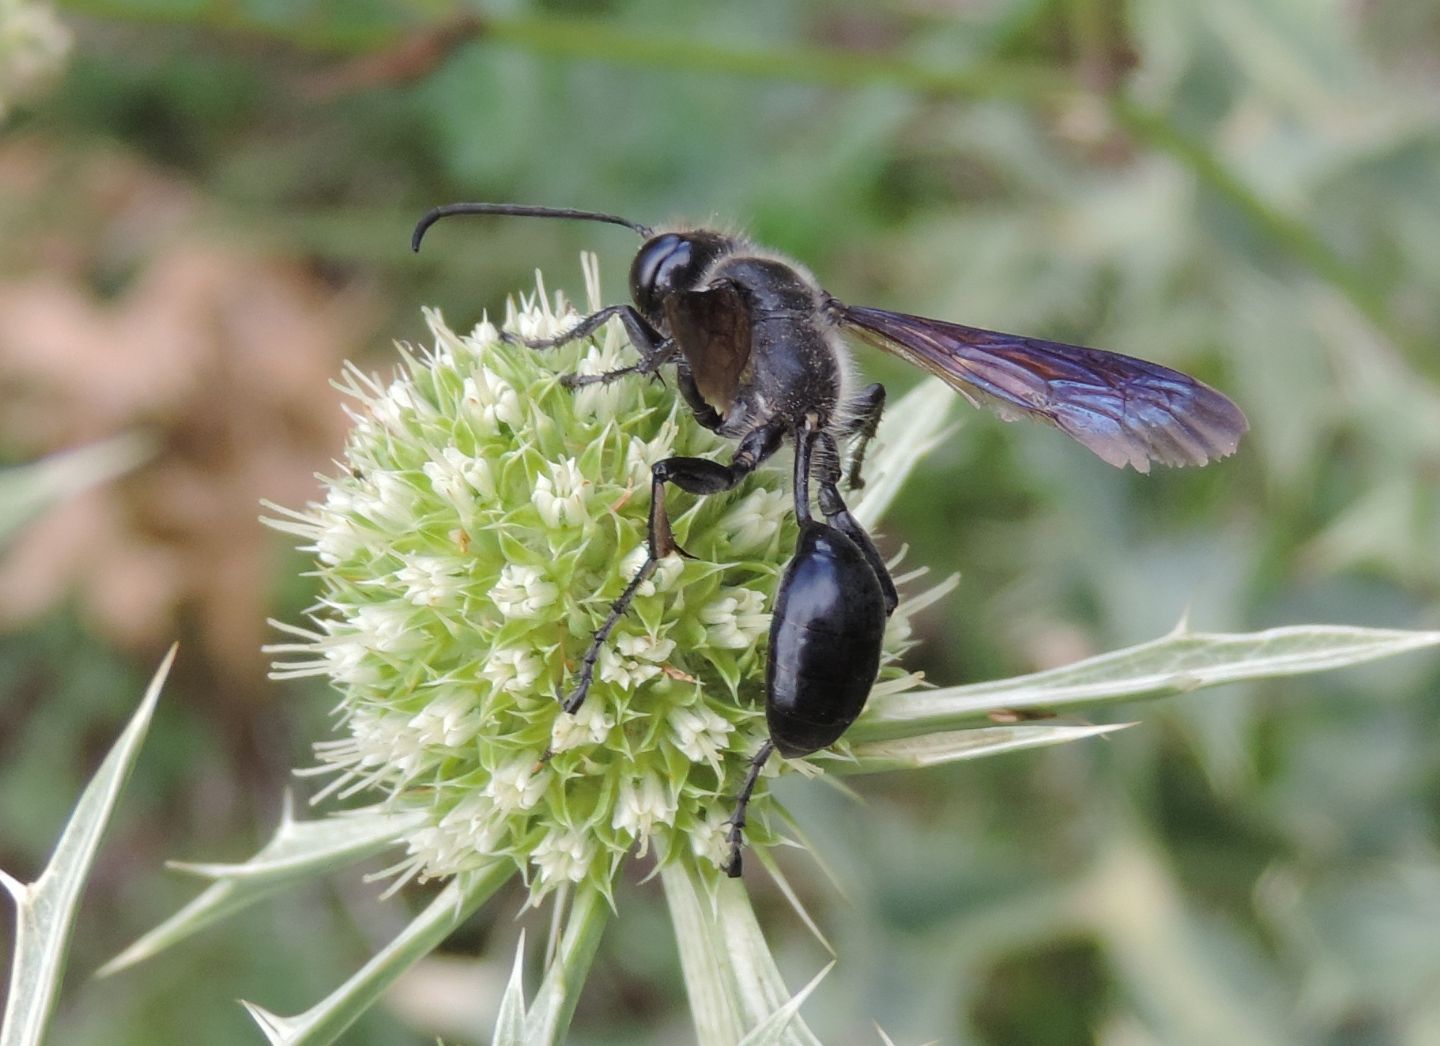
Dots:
{"x": 1128, "y": 411}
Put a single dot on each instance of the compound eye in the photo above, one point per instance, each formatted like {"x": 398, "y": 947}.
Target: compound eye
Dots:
{"x": 658, "y": 269}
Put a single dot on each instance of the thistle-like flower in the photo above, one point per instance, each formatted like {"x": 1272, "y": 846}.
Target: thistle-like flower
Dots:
{"x": 482, "y": 523}
{"x": 485, "y": 519}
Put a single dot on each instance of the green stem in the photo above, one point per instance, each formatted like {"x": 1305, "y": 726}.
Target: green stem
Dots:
{"x": 333, "y": 36}
{"x": 574, "y": 38}
{"x": 586, "y": 39}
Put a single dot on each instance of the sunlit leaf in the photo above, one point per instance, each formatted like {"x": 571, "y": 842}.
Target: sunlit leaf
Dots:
{"x": 910, "y": 753}
{"x": 772, "y": 1030}
{"x": 45, "y": 909}
{"x": 298, "y": 851}
{"x": 327, "y": 1020}
{"x": 28, "y": 490}
{"x": 1178, "y": 663}
{"x": 731, "y": 978}
{"x": 510, "y": 1021}
{"x": 547, "y": 1018}
{"x": 713, "y": 1007}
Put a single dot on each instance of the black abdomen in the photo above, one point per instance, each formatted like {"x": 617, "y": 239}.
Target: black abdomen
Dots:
{"x": 825, "y": 640}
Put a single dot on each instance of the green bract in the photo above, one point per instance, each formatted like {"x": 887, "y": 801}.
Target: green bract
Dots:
{"x": 485, "y": 519}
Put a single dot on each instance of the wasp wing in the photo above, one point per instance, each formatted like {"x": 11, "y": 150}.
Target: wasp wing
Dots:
{"x": 712, "y": 328}
{"x": 1126, "y": 410}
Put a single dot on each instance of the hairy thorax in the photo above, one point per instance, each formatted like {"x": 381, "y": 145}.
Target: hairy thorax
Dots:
{"x": 797, "y": 365}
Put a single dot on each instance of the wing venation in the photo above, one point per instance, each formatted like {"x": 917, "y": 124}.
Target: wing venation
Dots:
{"x": 1128, "y": 411}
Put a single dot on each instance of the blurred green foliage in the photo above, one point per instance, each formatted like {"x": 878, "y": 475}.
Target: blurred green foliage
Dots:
{"x": 1245, "y": 189}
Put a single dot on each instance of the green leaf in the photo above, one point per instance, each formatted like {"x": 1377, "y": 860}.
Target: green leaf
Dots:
{"x": 45, "y": 909}
{"x": 510, "y": 1021}
{"x": 1176, "y": 664}
{"x": 772, "y": 1030}
{"x": 28, "y": 490}
{"x": 327, "y": 1020}
{"x": 297, "y": 851}
{"x": 713, "y": 1007}
{"x": 761, "y": 989}
{"x": 731, "y": 978}
{"x": 952, "y": 746}
{"x": 548, "y": 1017}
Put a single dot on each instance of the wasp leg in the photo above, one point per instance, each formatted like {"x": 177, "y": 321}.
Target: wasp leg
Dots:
{"x": 805, "y": 437}
{"x": 736, "y": 836}
{"x": 647, "y": 365}
{"x": 636, "y": 327}
{"x": 697, "y": 476}
{"x": 654, "y": 348}
{"x": 704, "y": 413}
{"x": 867, "y": 406}
{"x": 832, "y": 505}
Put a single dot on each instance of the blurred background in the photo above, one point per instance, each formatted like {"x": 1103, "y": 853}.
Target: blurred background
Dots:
{"x": 204, "y": 208}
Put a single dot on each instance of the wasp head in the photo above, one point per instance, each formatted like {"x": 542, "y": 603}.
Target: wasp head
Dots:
{"x": 673, "y": 261}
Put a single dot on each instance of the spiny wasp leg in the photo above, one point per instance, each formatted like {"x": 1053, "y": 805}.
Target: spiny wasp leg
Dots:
{"x": 580, "y": 381}
{"x": 868, "y": 406}
{"x": 649, "y": 365}
{"x": 576, "y": 697}
{"x": 736, "y": 835}
{"x": 654, "y": 348}
{"x": 695, "y": 476}
{"x": 586, "y": 325}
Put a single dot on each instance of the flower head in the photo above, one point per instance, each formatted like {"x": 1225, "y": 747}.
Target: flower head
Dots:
{"x": 485, "y": 519}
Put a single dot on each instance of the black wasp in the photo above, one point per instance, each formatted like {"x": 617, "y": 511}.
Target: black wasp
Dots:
{"x": 756, "y": 346}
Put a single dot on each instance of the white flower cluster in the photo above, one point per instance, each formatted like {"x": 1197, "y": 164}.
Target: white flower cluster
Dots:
{"x": 484, "y": 520}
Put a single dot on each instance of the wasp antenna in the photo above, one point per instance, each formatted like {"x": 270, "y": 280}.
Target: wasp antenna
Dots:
{"x": 517, "y": 210}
